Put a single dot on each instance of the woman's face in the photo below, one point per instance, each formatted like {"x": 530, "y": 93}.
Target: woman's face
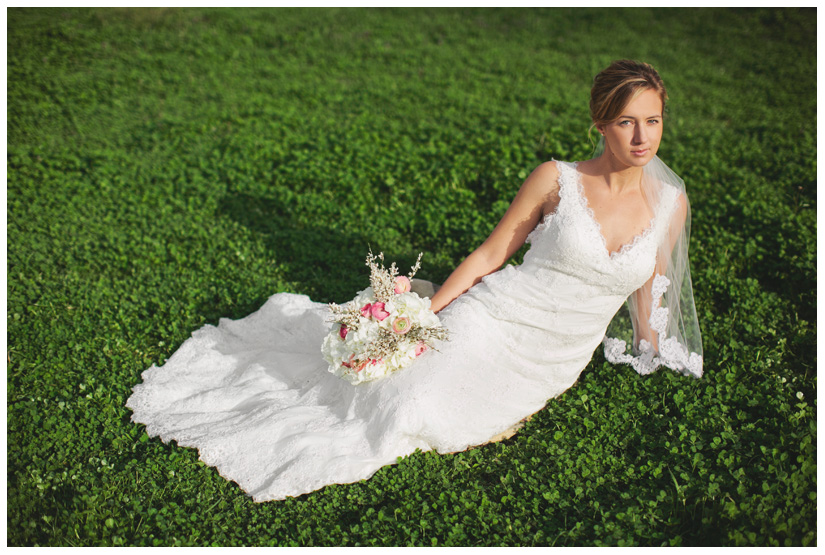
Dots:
{"x": 634, "y": 138}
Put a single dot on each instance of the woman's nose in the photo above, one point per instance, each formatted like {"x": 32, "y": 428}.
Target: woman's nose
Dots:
{"x": 640, "y": 135}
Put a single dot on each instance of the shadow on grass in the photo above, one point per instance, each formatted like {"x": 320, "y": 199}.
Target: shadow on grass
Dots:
{"x": 327, "y": 262}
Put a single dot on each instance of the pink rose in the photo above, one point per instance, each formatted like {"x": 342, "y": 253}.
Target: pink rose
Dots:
{"x": 343, "y": 332}
{"x": 378, "y": 311}
{"x": 420, "y": 348}
{"x": 402, "y": 285}
{"x": 401, "y": 325}
{"x": 365, "y": 310}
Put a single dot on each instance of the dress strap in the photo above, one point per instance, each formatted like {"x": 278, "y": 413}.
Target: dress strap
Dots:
{"x": 568, "y": 181}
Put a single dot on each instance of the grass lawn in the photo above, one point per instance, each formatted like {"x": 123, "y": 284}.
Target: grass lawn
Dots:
{"x": 168, "y": 167}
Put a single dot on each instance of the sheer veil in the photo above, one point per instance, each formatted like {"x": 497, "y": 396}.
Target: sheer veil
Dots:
{"x": 659, "y": 319}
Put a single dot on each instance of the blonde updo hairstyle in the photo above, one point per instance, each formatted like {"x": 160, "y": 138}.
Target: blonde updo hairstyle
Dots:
{"x": 617, "y": 85}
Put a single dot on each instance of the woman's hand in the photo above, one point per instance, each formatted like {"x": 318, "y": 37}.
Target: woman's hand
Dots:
{"x": 538, "y": 196}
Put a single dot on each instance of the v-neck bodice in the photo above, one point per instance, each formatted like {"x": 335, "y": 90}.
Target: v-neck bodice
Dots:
{"x": 625, "y": 247}
{"x": 569, "y": 241}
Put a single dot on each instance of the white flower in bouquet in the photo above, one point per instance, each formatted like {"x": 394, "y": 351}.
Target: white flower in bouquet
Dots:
{"x": 383, "y": 329}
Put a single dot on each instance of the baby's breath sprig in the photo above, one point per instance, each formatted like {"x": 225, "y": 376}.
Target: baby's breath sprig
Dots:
{"x": 382, "y": 280}
{"x": 346, "y": 315}
{"x": 384, "y": 345}
{"x": 416, "y": 267}
{"x": 428, "y": 335}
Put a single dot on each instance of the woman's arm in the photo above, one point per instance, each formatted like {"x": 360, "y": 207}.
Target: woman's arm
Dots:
{"x": 538, "y": 195}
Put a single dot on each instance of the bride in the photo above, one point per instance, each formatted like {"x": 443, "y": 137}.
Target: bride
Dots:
{"x": 254, "y": 395}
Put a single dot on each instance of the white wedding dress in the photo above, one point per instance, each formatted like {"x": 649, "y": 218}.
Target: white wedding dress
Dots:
{"x": 254, "y": 396}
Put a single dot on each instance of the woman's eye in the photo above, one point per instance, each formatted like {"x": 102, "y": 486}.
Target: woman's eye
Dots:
{"x": 625, "y": 123}
{"x": 653, "y": 121}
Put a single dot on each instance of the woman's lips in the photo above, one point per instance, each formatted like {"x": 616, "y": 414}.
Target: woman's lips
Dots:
{"x": 639, "y": 152}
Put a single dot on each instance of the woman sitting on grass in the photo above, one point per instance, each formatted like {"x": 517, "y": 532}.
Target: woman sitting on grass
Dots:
{"x": 255, "y": 397}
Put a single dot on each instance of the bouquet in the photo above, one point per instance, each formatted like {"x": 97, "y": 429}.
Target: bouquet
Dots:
{"x": 383, "y": 329}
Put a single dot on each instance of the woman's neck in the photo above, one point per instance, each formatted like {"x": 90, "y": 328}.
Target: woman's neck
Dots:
{"x": 619, "y": 177}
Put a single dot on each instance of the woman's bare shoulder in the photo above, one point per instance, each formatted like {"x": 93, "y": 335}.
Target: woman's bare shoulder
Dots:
{"x": 545, "y": 178}
{"x": 548, "y": 170}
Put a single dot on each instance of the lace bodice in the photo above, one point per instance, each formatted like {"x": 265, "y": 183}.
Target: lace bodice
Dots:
{"x": 570, "y": 241}
{"x": 254, "y": 395}
{"x": 568, "y": 274}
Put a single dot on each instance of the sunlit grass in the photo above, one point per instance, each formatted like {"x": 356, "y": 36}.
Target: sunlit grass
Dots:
{"x": 168, "y": 167}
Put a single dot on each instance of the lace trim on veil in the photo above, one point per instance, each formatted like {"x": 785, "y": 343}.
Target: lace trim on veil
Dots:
{"x": 671, "y": 353}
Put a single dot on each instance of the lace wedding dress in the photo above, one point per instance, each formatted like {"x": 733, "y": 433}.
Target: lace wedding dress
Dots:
{"x": 255, "y": 398}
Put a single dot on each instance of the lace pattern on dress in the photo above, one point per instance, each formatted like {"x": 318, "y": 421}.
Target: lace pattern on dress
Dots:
{"x": 671, "y": 353}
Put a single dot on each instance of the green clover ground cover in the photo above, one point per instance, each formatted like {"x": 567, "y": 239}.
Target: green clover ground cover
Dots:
{"x": 170, "y": 167}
